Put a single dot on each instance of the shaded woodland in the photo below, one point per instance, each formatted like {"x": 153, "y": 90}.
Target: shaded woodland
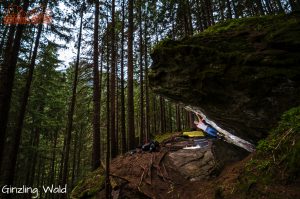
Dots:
{"x": 61, "y": 120}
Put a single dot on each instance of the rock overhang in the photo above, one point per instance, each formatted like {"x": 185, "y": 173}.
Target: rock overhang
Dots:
{"x": 243, "y": 74}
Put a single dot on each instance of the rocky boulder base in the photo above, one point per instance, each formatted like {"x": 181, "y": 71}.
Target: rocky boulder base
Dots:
{"x": 242, "y": 74}
{"x": 204, "y": 163}
{"x": 194, "y": 165}
{"x": 161, "y": 174}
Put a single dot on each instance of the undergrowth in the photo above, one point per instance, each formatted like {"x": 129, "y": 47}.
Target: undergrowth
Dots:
{"x": 90, "y": 185}
{"x": 276, "y": 161}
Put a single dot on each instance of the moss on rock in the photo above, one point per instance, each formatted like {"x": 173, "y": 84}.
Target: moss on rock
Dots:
{"x": 242, "y": 73}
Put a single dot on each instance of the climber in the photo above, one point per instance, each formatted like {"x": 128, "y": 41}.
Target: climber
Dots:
{"x": 201, "y": 124}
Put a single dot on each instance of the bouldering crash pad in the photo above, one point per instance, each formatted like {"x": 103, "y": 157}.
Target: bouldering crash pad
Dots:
{"x": 194, "y": 134}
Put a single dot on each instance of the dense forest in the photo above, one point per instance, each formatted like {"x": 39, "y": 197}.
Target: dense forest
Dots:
{"x": 60, "y": 118}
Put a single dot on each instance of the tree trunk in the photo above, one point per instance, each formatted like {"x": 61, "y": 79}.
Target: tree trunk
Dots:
{"x": 100, "y": 91}
{"x": 178, "y": 119}
{"x": 187, "y": 120}
{"x": 182, "y": 115}
{"x": 117, "y": 110}
{"x": 162, "y": 115}
{"x": 35, "y": 155}
{"x": 61, "y": 167}
{"x": 107, "y": 157}
{"x": 191, "y": 120}
{"x": 3, "y": 39}
{"x": 130, "y": 106}
{"x": 78, "y": 152}
{"x": 205, "y": 15}
{"x": 113, "y": 85}
{"x": 210, "y": 11}
{"x": 13, "y": 154}
{"x": 71, "y": 110}
{"x": 123, "y": 130}
{"x": 32, "y": 44}
{"x": 199, "y": 16}
{"x": 107, "y": 187}
{"x": 142, "y": 139}
{"x": 96, "y": 95}
{"x": 268, "y": 6}
{"x": 236, "y": 14}
{"x": 190, "y": 20}
{"x": 297, "y": 5}
{"x": 29, "y": 158}
{"x": 154, "y": 115}
{"x": 260, "y": 7}
{"x": 38, "y": 177}
{"x": 52, "y": 173}
{"x": 170, "y": 118}
{"x": 7, "y": 74}
{"x": 280, "y": 8}
{"x": 147, "y": 123}
{"x": 229, "y": 12}
{"x": 165, "y": 115}
{"x": 221, "y": 8}
{"x": 74, "y": 159}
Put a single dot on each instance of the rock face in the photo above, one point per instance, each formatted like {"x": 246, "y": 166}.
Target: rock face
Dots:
{"x": 204, "y": 163}
{"x": 194, "y": 165}
{"x": 243, "y": 74}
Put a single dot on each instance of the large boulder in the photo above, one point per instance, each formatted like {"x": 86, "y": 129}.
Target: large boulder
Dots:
{"x": 204, "y": 163}
{"x": 194, "y": 165}
{"x": 243, "y": 74}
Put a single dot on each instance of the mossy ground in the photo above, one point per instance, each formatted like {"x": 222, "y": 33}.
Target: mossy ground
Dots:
{"x": 275, "y": 165}
{"x": 90, "y": 185}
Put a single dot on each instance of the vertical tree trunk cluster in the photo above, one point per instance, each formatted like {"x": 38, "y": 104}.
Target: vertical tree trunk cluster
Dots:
{"x": 123, "y": 122}
{"x": 71, "y": 112}
{"x": 141, "y": 48}
{"x": 130, "y": 101}
{"x": 113, "y": 86}
{"x": 7, "y": 74}
{"x": 96, "y": 94}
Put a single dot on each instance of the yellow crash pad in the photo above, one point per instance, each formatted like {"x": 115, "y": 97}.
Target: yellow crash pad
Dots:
{"x": 194, "y": 134}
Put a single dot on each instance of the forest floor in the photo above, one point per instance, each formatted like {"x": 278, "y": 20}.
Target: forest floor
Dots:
{"x": 141, "y": 174}
{"x": 144, "y": 175}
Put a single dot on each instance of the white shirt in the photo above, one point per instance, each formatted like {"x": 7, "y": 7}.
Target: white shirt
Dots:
{"x": 202, "y": 126}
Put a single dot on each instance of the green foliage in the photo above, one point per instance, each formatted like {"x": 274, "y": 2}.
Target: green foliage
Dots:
{"x": 90, "y": 185}
{"x": 290, "y": 119}
{"x": 163, "y": 43}
{"x": 264, "y": 164}
{"x": 277, "y": 157}
{"x": 264, "y": 145}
